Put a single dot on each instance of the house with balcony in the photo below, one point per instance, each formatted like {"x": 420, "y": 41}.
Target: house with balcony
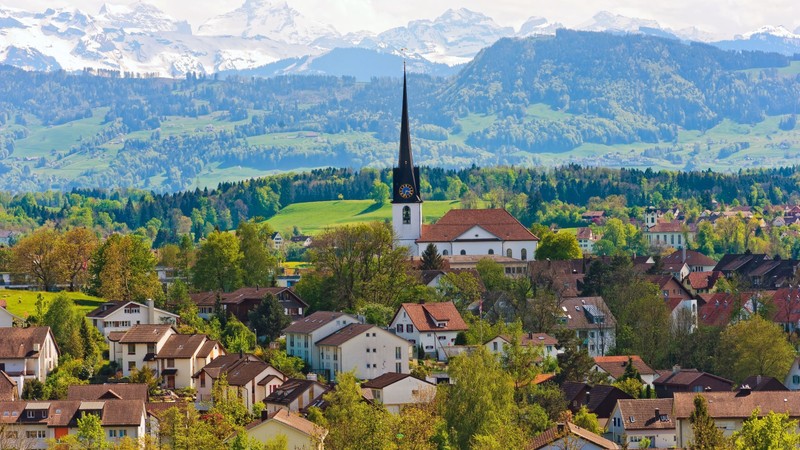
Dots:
{"x": 137, "y": 348}
{"x": 302, "y": 335}
{"x": 248, "y": 376}
{"x": 182, "y": 355}
{"x": 367, "y": 350}
{"x": 295, "y": 395}
{"x": 433, "y": 327}
{"x": 121, "y": 316}
{"x": 397, "y": 390}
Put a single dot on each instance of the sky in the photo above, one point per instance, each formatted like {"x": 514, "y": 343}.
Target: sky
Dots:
{"x": 723, "y": 18}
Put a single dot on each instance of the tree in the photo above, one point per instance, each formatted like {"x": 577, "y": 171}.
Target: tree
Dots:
{"x": 772, "y": 431}
{"x": 631, "y": 372}
{"x": 145, "y": 375}
{"x": 706, "y": 434}
{"x": 75, "y": 249}
{"x": 258, "y": 264}
{"x": 217, "y": 267}
{"x": 584, "y": 419}
{"x": 379, "y": 193}
{"x": 431, "y": 259}
{"x": 37, "y": 255}
{"x": 268, "y": 318}
{"x": 461, "y": 288}
{"x": 64, "y": 320}
{"x": 492, "y": 274}
{"x": 574, "y": 362}
{"x": 351, "y": 422}
{"x": 754, "y": 346}
{"x": 183, "y": 429}
{"x": 480, "y": 399}
{"x": 123, "y": 268}
{"x": 521, "y": 361}
{"x": 228, "y": 403}
{"x": 557, "y": 246}
{"x": 236, "y": 337}
{"x": 90, "y": 436}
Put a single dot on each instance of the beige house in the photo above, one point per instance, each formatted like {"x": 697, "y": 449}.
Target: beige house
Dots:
{"x": 294, "y": 395}
{"x": 301, "y": 434}
{"x": 121, "y": 316}
{"x": 138, "y": 347}
{"x": 249, "y": 376}
{"x": 730, "y": 409}
{"x": 366, "y": 349}
{"x": 396, "y": 390}
{"x": 430, "y": 326}
{"x": 548, "y": 343}
{"x": 633, "y": 420}
{"x": 302, "y": 335}
{"x": 182, "y": 355}
{"x": 28, "y": 353}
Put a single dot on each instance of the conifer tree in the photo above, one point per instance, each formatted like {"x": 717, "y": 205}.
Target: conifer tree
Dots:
{"x": 431, "y": 259}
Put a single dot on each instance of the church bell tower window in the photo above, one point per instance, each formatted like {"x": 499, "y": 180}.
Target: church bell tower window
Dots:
{"x": 406, "y": 215}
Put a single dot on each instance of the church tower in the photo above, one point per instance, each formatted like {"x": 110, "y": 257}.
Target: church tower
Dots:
{"x": 406, "y": 197}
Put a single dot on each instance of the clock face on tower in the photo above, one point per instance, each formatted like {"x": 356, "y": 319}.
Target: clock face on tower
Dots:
{"x": 406, "y": 190}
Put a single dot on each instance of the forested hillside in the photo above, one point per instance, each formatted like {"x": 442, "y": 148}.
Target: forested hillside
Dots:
{"x": 586, "y": 98}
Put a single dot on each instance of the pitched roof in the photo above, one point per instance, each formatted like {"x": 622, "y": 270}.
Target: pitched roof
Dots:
{"x": 343, "y": 335}
{"x": 115, "y": 336}
{"x": 666, "y": 227}
{"x": 206, "y": 349}
{"x": 122, "y": 391}
{"x": 554, "y": 434}
{"x": 145, "y": 334}
{"x": 686, "y": 377}
{"x": 239, "y": 369}
{"x": 615, "y": 365}
{"x": 250, "y": 293}
{"x": 585, "y": 233}
{"x": 388, "y": 379}
{"x": 693, "y": 258}
{"x": 65, "y": 413}
{"x": 716, "y": 310}
{"x": 182, "y": 346}
{"x": 703, "y": 280}
{"x": 578, "y": 310}
{"x": 8, "y": 387}
{"x": 764, "y": 383}
{"x": 425, "y": 316}
{"x": 295, "y": 421}
{"x": 108, "y": 308}
{"x": 640, "y": 414}
{"x": 292, "y": 389}
{"x": 313, "y": 322}
{"x": 19, "y": 342}
{"x": 458, "y": 221}
{"x": 739, "y": 404}
{"x": 530, "y": 339}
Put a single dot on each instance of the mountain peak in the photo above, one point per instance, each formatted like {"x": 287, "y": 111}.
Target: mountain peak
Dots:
{"x": 140, "y": 17}
{"x": 537, "y": 26}
{"x": 608, "y": 21}
{"x": 772, "y": 30}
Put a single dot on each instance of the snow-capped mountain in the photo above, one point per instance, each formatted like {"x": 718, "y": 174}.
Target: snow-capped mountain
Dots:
{"x": 538, "y": 26}
{"x": 140, "y": 18}
{"x": 615, "y": 23}
{"x": 767, "y": 38}
{"x": 270, "y": 19}
{"x": 455, "y": 37}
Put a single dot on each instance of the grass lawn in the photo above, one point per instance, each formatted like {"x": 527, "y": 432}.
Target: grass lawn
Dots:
{"x": 23, "y": 303}
{"x": 313, "y": 217}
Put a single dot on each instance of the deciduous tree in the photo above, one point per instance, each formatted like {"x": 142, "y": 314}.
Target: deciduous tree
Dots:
{"x": 772, "y": 431}
{"x": 38, "y": 256}
{"x": 755, "y": 346}
{"x": 217, "y": 267}
{"x": 258, "y": 264}
{"x": 122, "y": 268}
{"x": 555, "y": 246}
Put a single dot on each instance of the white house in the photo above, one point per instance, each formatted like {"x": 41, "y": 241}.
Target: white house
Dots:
{"x": 249, "y": 376}
{"x": 670, "y": 234}
{"x": 592, "y": 322}
{"x": 182, "y": 355}
{"x": 430, "y": 326}
{"x": 8, "y": 319}
{"x": 637, "y": 419}
{"x": 548, "y": 343}
{"x": 586, "y": 239}
{"x": 277, "y": 241}
{"x": 396, "y": 390}
{"x": 793, "y": 377}
{"x": 302, "y": 335}
{"x": 28, "y": 353}
{"x": 121, "y": 316}
{"x": 366, "y": 349}
{"x": 138, "y": 347}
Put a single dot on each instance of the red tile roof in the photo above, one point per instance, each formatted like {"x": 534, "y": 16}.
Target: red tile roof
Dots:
{"x": 739, "y": 404}
{"x": 458, "y": 221}
{"x": 424, "y": 316}
{"x": 640, "y": 414}
{"x": 552, "y": 435}
{"x": 666, "y": 227}
{"x": 716, "y": 310}
{"x": 615, "y": 365}
{"x": 19, "y": 342}
{"x": 145, "y": 334}
{"x": 693, "y": 258}
{"x": 584, "y": 233}
{"x": 703, "y": 280}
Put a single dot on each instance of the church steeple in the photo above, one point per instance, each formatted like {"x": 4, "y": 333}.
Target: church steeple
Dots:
{"x": 405, "y": 175}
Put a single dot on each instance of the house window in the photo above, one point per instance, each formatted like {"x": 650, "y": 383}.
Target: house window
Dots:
{"x": 795, "y": 379}
{"x": 202, "y": 380}
{"x": 398, "y": 353}
{"x": 171, "y": 362}
{"x": 406, "y": 215}
{"x": 131, "y": 365}
{"x": 494, "y": 345}
{"x": 132, "y": 310}
{"x": 491, "y": 251}
{"x": 123, "y": 433}
{"x": 409, "y": 328}
{"x": 398, "y": 367}
{"x": 112, "y": 433}
{"x": 31, "y": 414}
{"x": 445, "y": 252}
{"x": 291, "y": 340}
{"x": 151, "y": 348}
{"x": 131, "y": 349}
{"x": 509, "y": 253}
{"x": 306, "y": 342}
{"x": 399, "y": 327}
{"x": 38, "y": 434}
{"x": 524, "y": 254}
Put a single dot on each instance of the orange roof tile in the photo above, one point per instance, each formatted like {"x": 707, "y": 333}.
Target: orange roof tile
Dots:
{"x": 424, "y": 316}
{"x": 458, "y": 221}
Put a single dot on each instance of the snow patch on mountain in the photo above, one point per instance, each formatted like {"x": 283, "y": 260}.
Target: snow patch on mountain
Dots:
{"x": 140, "y": 17}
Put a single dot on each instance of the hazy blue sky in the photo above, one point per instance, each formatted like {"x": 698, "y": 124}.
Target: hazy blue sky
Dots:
{"x": 721, "y": 17}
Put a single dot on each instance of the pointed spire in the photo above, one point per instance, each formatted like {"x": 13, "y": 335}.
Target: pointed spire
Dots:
{"x": 406, "y": 161}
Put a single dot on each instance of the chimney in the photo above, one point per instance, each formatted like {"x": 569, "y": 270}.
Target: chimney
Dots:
{"x": 676, "y": 368}
{"x": 311, "y": 376}
{"x": 151, "y": 312}
{"x": 264, "y": 414}
{"x": 758, "y": 380}
{"x": 658, "y": 413}
{"x": 530, "y": 335}
{"x": 683, "y": 254}
{"x": 588, "y": 397}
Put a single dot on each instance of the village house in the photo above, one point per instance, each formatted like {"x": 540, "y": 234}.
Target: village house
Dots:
{"x": 592, "y": 322}
{"x": 302, "y": 335}
{"x": 249, "y": 376}
{"x": 295, "y": 394}
{"x": 548, "y": 343}
{"x": 121, "y": 316}
{"x": 182, "y": 355}
{"x": 701, "y": 282}
{"x": 634, "y": 420}
{"x": 301, "y": 239}
{"x": 8, "y": 319}
{"x": 670, "y": 234}
{"x": 277, "y": 241}
{"x": 730, "y": 409}
{"x": 433, "y": 327}
{"x": 586, "y": 239}
{"x": 682, "y": 306}
{"x": 137, "y": 348}
{"x": 396, "y": 390}
{"x": 694, "y": 260}
{"x": 243, "y": 300}
{"x": 9, "y": 388}
{"x": 28, "y": 353}
{"x": 793, "y": 377}
{"x": 599, "y": 399}
{"x": 568, "y": 436}
{"x": 31, "y": 424}
{"x": 760, "y": 271}
{"x": 689, "y": 380}
{"x": 595, "y": 217}
{"x": 300, "y": 433}
{"x": 614, "y": 367}
{"x": 367, "y": 350}
{"x": 763, "y": 383}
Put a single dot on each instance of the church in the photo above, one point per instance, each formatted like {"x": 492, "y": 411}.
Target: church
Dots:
{"x": 460, "y": 232}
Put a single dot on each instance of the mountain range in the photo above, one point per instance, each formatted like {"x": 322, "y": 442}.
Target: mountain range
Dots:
{"x": 268, "y": 37}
